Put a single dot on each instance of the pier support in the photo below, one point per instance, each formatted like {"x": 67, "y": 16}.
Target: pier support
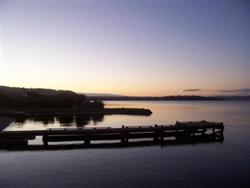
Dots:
{"x": 45, "y": 140}
{"x": 87, "y": 140}
{"x": 124, "y": 135}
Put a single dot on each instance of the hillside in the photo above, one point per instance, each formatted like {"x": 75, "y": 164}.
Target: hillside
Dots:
{"x": 12, "y": 91}
{"x": 12, "y": 97}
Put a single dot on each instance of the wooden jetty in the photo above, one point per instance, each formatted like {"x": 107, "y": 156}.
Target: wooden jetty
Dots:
{"x": 179, "y": 131}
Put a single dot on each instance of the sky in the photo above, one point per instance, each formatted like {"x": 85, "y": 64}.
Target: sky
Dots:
{"x": 127, "y": 47}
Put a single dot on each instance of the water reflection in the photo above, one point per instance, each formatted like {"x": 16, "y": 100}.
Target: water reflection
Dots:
{"x": 61, "y": 120}
{"x": 44, "y": 119}
{"x": 100, "y": 144}
{"x": 192, "y": 165}
{"x": 164, "y": 113}
{"x": 20, "y": 120}
{"x": 66, "y": 120}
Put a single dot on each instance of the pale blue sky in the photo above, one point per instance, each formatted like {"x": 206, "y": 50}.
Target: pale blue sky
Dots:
{"x": 126, "y": 47}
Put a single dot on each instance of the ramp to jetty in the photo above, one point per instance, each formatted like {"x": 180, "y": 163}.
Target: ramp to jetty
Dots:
{"x": 5, "y": 122}
{"x": 179, "y": 131}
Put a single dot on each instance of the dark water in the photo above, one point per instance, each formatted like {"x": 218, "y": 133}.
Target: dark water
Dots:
{"x": 191, "y": 165}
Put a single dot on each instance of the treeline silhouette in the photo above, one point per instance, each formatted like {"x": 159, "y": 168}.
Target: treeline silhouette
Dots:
{"x": 33, "y": 99}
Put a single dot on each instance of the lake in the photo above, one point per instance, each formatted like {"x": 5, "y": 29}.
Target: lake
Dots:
{"x": 190, "y": 165}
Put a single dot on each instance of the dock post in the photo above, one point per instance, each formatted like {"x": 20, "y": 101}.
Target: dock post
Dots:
{"x": 124, "y": 135}
{"x": 203, "y": 132}
{"x": 156, "y": 134}
{"x": 86, "y": 139}
{"x": 213, "y": 132}
{"x": 222, "y": 129}
{"x": 161, "y": 134}
{"x": 45, "y": 139}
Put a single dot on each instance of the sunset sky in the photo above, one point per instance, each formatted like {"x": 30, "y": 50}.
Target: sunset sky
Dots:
{"x": 127, "y": 47}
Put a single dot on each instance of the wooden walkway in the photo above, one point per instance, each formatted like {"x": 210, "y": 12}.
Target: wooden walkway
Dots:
{"x": 179, "y": 131}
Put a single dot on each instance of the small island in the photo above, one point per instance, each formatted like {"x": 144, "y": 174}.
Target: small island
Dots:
{"x": 16, "y": 102}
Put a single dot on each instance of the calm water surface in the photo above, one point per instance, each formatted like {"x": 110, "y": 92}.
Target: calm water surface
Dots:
{"x": 192, "y": 165}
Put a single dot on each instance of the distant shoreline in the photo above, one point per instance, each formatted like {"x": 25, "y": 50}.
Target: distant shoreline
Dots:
{"x": 171, "y": 98}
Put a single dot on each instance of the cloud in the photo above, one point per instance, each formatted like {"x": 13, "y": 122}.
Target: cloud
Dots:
{"x": 192, "y": 90}
{"x": 243, "y": 90}
{"x": 225, "y": 91}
